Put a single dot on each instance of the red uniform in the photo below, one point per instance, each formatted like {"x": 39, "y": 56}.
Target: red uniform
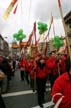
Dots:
{"x": 41, "y": 73}
{"x": 41, "y": 77}
{"x": 53, "y": 70}
{"x": 62, "y": 65}
{"x": 30, "y": 68}
{"x": 51, "y": 63}
{"x": 22, "y": 63}
{"x": 61, "y": 91}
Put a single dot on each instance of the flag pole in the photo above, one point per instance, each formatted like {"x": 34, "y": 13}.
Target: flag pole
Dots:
{"x": 68, "y": 44}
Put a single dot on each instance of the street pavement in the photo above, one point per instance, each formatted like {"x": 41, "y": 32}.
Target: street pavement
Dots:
{"x": 20, "y": 95}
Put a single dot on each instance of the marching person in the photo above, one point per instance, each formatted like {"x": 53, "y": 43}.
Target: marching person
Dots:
{"x": 31, "y": 72}
{"x": 61, "y": 91}
{"x": 27, "y": 71}
{"x": 62, "y": 63}
{"x": 41, "y": 77}
{"x": 22, "y": 68}
{"x": 53, "y": 68}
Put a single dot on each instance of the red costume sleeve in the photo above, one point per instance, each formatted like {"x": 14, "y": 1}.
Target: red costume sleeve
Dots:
{"x": 58, "y": 92}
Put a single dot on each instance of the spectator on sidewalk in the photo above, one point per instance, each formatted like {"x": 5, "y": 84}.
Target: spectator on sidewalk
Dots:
{"x": 2, "y": 104}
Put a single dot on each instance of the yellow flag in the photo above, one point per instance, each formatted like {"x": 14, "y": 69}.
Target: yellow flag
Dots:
{"x": 9, "y": 9}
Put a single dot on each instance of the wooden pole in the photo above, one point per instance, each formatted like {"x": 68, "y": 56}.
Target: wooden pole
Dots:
{"x": 68, "y": 44}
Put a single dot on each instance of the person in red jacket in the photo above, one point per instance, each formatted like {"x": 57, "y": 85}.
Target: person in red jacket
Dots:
{"x": 53, "y": 68}
{"x": 61, "y": 91}
{"x": 22, "y": 68}
{"x": 27, "y": 71}
{"x": 41, "y": 76}
{"x": 62, "y": 63}
{"x": 31, "y": 71}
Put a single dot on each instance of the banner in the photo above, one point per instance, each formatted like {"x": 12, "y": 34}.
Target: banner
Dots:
{"x": 51, "y": 21}
{"x": 9, "y": 9}
{"x": 14, "y": 12}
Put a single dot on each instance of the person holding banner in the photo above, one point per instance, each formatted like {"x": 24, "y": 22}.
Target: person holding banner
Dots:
{"x": 53, "y": 68}
{"x": 41, "y": 77}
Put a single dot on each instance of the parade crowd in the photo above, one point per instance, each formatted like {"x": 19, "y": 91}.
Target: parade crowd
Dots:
{"x": 37, "y": 70}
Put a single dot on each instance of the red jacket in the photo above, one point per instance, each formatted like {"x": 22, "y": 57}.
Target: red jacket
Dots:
{"x": 52, "y": 66}
{"x": 41, "y": 73}
{"x": 36, "y": 72}
{"x": 22, "y": 63}
{"x": 30, "y": 68}
{"x": 62, "y": 89}
{"x": 62, "y": 64}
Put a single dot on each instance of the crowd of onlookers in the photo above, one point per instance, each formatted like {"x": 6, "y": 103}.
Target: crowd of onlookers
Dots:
{"x": 7, "y": 65}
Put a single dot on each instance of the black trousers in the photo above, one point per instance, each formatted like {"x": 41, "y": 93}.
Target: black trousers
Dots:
{"x": 52, "y": 79}
{"x": 41, "y": 85}
{"x": 22, "y": 74}
{"x": 2, "y": 104}
{"x": 33, "y": 84}
{"x": 27, "y": 76}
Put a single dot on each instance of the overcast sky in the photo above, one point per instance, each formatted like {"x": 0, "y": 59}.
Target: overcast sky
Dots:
{"x": 28, "y": 12}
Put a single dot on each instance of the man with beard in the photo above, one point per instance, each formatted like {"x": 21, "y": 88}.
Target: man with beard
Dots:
{"x": 41, "y": 76}
{"x": 61, "y": 91}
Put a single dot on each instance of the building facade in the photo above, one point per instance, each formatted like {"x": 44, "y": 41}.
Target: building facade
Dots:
{"x": 67, "y": 20}
{"x": 4, "y": 47}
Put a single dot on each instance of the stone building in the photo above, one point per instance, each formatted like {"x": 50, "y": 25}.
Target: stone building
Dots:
{"x": 67, "y": 20}
{"x": 4, "y": 47}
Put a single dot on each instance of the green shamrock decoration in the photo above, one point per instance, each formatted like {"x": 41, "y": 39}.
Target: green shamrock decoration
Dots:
{"x": 57, "y": 42}
{"x": 42, "y": 27}
{"x": 19, "y": 36}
